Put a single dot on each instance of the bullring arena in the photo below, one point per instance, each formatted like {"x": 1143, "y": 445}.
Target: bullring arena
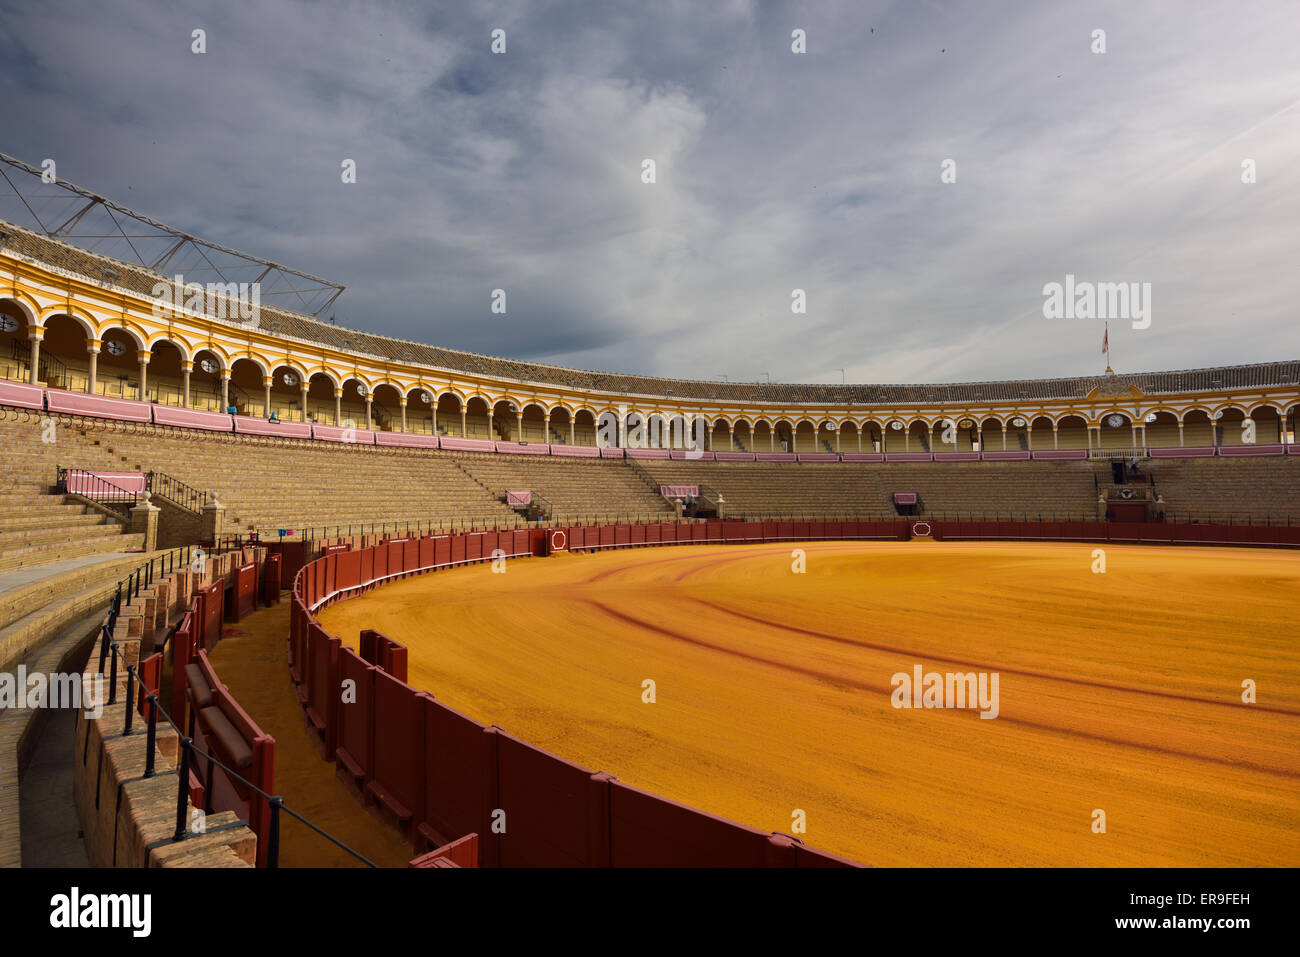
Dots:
{"x": 359, "y": 600}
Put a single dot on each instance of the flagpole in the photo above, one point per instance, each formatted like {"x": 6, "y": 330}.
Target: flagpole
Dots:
{"x": 1105, "y": 349}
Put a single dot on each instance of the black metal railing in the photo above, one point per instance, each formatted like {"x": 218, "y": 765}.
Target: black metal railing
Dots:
{"x": 186, "y": 496}
{"x": 70, "y": 481}
{"x": 109, "y": 653}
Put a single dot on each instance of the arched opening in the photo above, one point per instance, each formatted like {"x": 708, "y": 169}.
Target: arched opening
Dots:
{"x": 206, "y": 382}
{"x": 530, "y": 424}
{"x": 168, "y": 379}
{"x": 849, "y": 437}
{"x": 386, "y": 408}
{"x": 827, "y": 436}
{"x": 419, "y": 410}
{"x": 15, "y": 347}
{"x": 764, "y": 436}
{"x": 1115, "y": 434}
{"x": 720, "y": 436}
{"x": 246, "y": 391}
{"x": 477, "y": 421}
{"x": 805, "y": 437}
{"x": 742, "y": 436}
{"x": 1161, "y": 430}
{"x": 872, "y": 437}
{"x": 118, "y": 368}
{"x": 352, "y": 405}
{"x": 1198, "y": 429}
{"x": 784, "y": 436}
{"x": 1229, "y": 426}
{"x": 560, "y": 429}
{"x": 449, "y": 418}
{"x": 64, "y": 356}
{"x": 992, "y": 438}
{"x": 322, "y": 406}
{"x": 286, "y": 397}
{"x": 1269, "y": 425}
{"x": 584, "y": 427}
{"x": 1072, "y": 432}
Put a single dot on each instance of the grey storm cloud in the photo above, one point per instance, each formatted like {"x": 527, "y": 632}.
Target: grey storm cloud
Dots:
{"x": 775, "y": 171}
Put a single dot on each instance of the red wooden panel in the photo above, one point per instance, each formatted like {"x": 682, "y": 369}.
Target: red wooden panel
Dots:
{"x": 410, "y": 554}
{"x": 214, "y": 598}
{"x": 474, "y": 546}
{"x": 347, "y": 570}
{"x": 648, "y": 831}
{"x": 652, "y": 534}
{"x": 367, "y": 572}
{"x": 399, "y": 753}
{"x": 427, "y": 552}
{"x": 322, "y": 685}
{"x": 622, "y": 535}
{"x": 817, "y": 529}
{"x": 244, "y": 591}
{"x": 557, "y": 812}
{"x": 459, "y": 777}
{"x": 700, "y": 532}
{"x": 271, "y": 579}
{"x": 606, "y": 535}
{"x": 521, "y": 545}
{"x": 355, "y": 728}
{"x": 442, "y": 549}
{"x": 380, "y": 553}
{"x": 635, "y": 534}
{"x": 801, "y": 530}
{"x": 457, "y": 549}
{"x": 668, "y": 532}
{"x": 785, "y": 530}
{"x": 714, "y": 530}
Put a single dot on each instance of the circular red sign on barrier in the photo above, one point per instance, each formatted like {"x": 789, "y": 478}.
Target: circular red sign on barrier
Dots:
{"x": 916, "y": 529}
{"x": 559, "y": 540}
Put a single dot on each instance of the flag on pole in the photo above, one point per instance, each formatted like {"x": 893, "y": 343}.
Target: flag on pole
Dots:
{"x": 1105, "y": 341}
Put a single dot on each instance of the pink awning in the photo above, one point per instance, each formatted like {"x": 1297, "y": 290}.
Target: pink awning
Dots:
{"x": 521, "y": 497}
{"x": 904, "y": 498}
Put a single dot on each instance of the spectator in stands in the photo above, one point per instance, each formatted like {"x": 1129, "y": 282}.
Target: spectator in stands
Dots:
{"x": 232, "y": 410}
{"x": 273, "y": 417}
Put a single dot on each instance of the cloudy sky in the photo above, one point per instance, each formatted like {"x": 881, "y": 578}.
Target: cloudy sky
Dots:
{"x": 775, "y": 171}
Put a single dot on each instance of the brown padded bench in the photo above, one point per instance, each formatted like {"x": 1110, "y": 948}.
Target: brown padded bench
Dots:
{"x": 227, "y": 738}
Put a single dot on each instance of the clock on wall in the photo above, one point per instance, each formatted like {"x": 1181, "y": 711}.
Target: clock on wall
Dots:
{"x": 1114, "y": 421}
{"x": 8, "y": 324}
{"x": 290, "y": 379}
{"x": 115, "y": 348}
{"x": 208, "y": 366}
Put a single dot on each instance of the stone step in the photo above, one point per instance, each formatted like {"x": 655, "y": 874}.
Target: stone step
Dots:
{"x": 27, "y": 556}
{"x": 90, "y": 528}
{"x": 63, "y": 516}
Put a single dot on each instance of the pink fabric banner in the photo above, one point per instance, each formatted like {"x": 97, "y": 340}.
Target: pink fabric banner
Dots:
{"x": 22, "y": 396}
{"x": 521, "y": 497}
{"x": 78, "y": 403}
{"x": 679, "y": 491}
{"x": 81, "y": 482}
{"x": 192, "y": 418}
{"x": 904, "y": 498}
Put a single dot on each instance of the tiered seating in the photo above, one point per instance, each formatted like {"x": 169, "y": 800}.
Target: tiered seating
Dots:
{"x": 578, "y": 489}
{"x": 266, "y": 483}
{"x": 1222, "y": 489}
{"x": 774, "y": 489}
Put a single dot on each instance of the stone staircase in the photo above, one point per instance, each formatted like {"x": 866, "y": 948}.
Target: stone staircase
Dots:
{"x": 38, "y": 527}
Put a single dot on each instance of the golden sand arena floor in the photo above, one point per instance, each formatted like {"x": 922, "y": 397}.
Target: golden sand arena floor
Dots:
{"x": 1118, "y": 691}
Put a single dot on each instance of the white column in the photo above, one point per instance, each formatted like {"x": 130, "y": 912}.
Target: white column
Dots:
{"x": 1056, "y": 439}
{"x": 266, "y": 385}
{"x": 35, "y": 338}
{"x": 463, "y": 433}
{"x": 402, "y": 403}
{"x": 1004, "y": 437}
{"x": 338, "y": 407}
{"x": 187, "y": 366}
{"x": 305, "y": 386}
{"x": 144, "y": 375}
{"x": 369, "y": 399}
{"x": 92, "y": 353}
{"x": 572, "y": 434}
{"x": 225, "y": 389}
